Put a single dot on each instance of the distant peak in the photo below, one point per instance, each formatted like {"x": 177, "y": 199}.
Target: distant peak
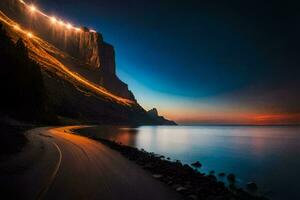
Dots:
{"x": 153, "y": 112}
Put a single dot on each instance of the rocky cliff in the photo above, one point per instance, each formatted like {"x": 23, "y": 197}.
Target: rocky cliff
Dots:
{"x": 78, "y": 69}
{"x": 86, "y": 46}
{"x": 153, "y": 113}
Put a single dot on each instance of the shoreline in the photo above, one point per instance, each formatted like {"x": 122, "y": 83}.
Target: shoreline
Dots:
{"x": 47, "y": 166}
{"x": 182, "y": 178}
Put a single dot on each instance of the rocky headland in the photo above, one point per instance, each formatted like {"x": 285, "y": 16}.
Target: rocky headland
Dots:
{"x": 78, "y": 69}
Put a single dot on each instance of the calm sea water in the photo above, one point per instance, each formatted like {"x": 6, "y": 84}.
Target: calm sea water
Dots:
{"x": 269, "y": 156}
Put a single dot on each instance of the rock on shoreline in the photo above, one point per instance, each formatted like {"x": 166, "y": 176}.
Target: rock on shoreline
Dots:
{"x": 189, "y": 182}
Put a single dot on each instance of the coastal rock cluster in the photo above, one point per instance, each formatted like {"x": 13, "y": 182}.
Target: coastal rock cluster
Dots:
{"x": 184, "y": 179}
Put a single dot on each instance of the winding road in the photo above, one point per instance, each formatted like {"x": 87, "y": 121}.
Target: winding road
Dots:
{"x": 59, "y": 165}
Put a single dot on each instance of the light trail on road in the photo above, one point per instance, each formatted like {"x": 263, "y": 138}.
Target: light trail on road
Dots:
{"x": 44, "y": 190}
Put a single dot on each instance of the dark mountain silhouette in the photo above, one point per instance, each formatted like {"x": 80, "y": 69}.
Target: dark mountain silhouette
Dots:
{"x": 21, "y": 82}
{"x": 153, "y": 113}
{"x": 94, "y": 57}
{"x": 61, "y": 74}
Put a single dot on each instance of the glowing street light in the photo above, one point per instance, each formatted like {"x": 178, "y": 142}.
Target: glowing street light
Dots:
{"x": 17, "y": 27}
{"x": 29, "y": 35}
{"x": 53, "y": 20}
{"x": 32, "y": 8}
{"x": 61, "y": 23}
{"x": 77, "y": 29}
{"x": 69, "y": 26}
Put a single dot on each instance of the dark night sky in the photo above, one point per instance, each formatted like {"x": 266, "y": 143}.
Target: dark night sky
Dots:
{"x": 201, "y": 61}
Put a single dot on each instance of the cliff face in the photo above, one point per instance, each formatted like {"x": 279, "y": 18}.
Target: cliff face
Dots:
{"x": 87, "y": 47}
{"x": 78, "y": 69}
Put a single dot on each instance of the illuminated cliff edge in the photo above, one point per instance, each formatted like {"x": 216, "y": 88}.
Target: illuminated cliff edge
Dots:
{"x": 76, "y": 89}
{"x": 95, "y": 59}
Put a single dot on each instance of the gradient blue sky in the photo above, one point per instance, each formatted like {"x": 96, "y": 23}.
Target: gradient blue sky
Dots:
{"x": 200, "y": 61}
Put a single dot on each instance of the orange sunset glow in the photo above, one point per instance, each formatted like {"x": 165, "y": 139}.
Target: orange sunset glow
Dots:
{"x": 237, "y": 118}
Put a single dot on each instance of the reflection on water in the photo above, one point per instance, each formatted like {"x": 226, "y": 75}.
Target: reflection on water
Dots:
{"x": 269, "y": 156}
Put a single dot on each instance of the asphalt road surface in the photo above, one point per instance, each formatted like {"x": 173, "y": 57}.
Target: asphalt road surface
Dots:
{"x": 59, "y": 165}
